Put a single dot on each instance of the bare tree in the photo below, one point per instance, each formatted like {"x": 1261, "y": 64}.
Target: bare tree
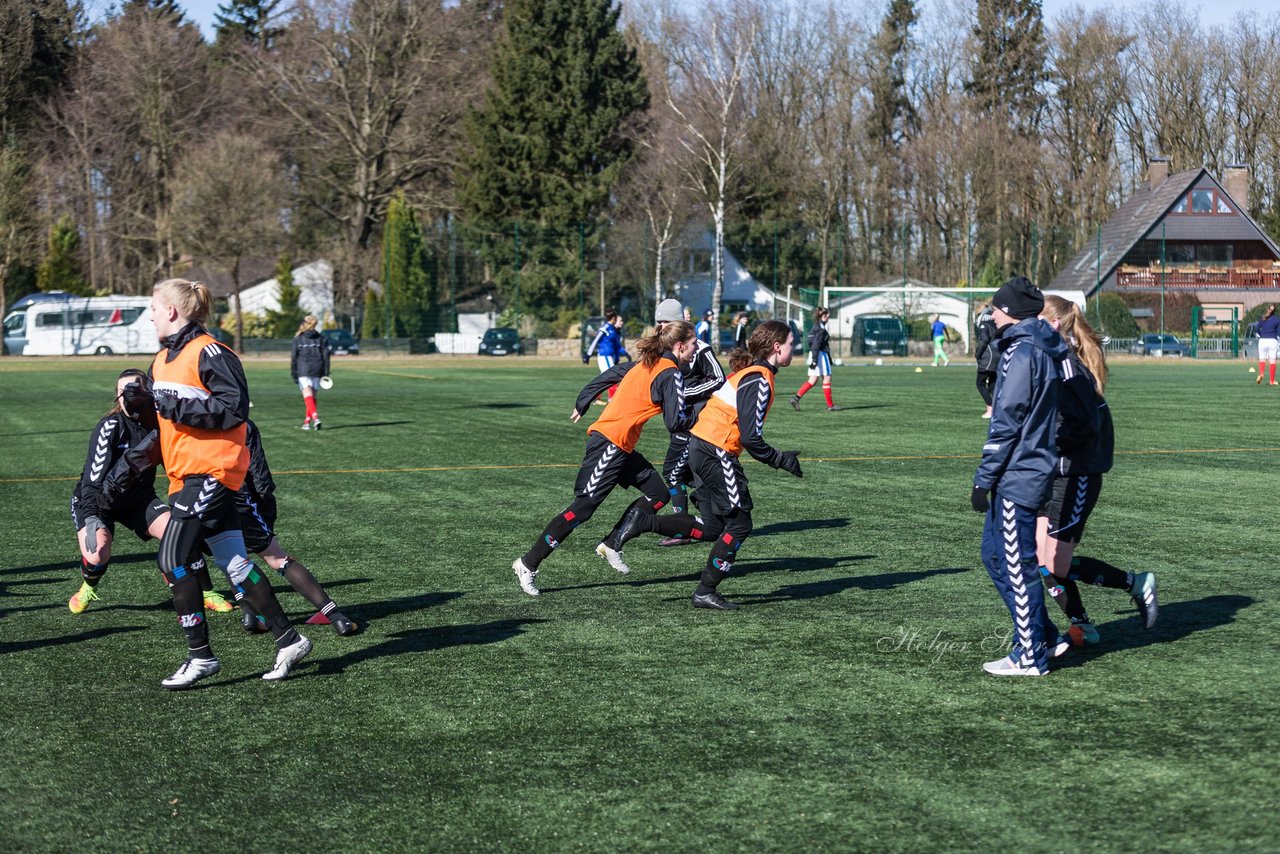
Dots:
{"x": 708, "y": 60}
{"x": 228, "y": 195}
{"x": 19, "y": 238}
{"x": 371, "y": 94}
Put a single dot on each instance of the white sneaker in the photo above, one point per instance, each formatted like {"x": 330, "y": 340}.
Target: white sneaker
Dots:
{"x": 614, "y": 558}
{"x": 526, "y": 577}
{"x": 191, "y": 672}
{"x": 1061, "y": 647}
{"x": 1006, "y": 667}
{"x": 287, "y": 658}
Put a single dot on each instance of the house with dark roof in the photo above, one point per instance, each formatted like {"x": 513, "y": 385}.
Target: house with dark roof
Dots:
{"x": 1185, "y": 232}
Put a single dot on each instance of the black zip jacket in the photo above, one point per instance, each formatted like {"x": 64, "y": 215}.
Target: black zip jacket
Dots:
{"x": 310, "y": 355}
{"x": 113, "y": 438}
{"x": 704, "y": 377}
{"x": 668, "y": 391}
{"x": 754, "y": 397}
{"x": 227, "y": 404}
{"x": 984, "y": 349}
{"x": 819, "y": 340}
{"x": 1086, "y": 436}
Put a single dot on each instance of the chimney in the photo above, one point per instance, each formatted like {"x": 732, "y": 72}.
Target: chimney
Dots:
{"x": 1235, "y": 180}
{"x": 1157, "y": 170}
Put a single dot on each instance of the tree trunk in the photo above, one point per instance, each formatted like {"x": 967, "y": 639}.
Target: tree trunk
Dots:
{"x": 235, "y": 284}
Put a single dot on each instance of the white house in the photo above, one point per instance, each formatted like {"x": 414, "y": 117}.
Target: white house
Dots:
{"x": 314, "y": 279}
{"x": 742, "y": 291}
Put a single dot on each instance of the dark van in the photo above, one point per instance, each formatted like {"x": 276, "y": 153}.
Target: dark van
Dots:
{"x": 880, "y": 336}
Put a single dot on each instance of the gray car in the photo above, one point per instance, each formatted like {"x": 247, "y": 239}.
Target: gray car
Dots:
{"x": 1153, "y": 344}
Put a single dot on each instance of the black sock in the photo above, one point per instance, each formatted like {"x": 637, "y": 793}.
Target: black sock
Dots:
{"x": 201, "y": 569}
{"x": 92, "y": 572}
{"x": 258, "y": 593}
{"x": 188, "y": 603}
{"x": 557, "y": 530}
{"x": 683, "y": 526}
{"x": 679, "y": 498}
{"x": 301, "y": 580}
{"x": 710, "y": 580}
{"x": 1090, "y": 570}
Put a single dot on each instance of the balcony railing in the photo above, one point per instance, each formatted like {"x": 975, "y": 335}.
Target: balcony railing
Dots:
{"x": 1198, "y": 278}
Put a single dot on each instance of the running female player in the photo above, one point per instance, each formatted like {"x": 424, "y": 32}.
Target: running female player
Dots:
{"x": 94, "y": 511}
{"x": 309, "y": 362}
{"x": 652, "y": 385}
{"x": 732, "y": 420}
{"x": 202, "y": 400}
{"x": 1086, "y": 444}
{"x": 819, "y": 360}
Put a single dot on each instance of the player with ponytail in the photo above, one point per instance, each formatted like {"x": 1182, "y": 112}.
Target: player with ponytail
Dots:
{"x": 645, "y": 388}
{"x": 733, "y": 420}
{"x": 1085, "y": 449}
{"x": 199, "y": 393}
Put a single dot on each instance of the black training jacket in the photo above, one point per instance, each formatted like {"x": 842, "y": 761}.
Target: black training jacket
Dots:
{"x": 227, "y": 405}
{"x": 1086, "y": 436}
{"x": 310, "y": 355}
{"x": 111, "y": 439}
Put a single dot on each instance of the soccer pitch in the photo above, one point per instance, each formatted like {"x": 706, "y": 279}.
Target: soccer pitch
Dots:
{"x": 842, "y": 708}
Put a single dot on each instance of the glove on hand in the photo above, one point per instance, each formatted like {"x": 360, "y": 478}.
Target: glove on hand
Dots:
{"x": 92, "y": 526}
{"x": 791, "y": 462}
{"x": 139, "y": 403}
{"x": 978, "y": 498}
{"x": 586, "y": 359}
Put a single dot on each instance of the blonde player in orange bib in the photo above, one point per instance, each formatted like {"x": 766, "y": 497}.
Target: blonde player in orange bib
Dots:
{"x": 652, "y": 385}
{"x": 731, "y": 422}
{"x": 200, "y": 396}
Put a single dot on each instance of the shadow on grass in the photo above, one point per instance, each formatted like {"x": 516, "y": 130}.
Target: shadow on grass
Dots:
{"x": 428, "y": 640}
{"x": 39, "y": 643}
{"x": 799, "y": 525}
{"x": 1177, "y": 620}
{"x": 793, "y": 564}
{"x": 327, "y": 429}
{"x": 505, "y": 406}
{"x": 71, "y": 566}
{"x": 816, "y": 589}
{"x": 363, "y": 612}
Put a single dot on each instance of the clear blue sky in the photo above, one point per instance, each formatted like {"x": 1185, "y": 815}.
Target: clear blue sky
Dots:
{"x": 1212, "y": 12}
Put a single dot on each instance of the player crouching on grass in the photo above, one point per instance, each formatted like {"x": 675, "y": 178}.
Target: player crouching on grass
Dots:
{"x": 256, "y": 507}
{"x": 654, "y": 384}
{"x": 1086, "y": 446}
{"x": 94, "y": 510}
{"x": 732, "y": 420}
{"x": 1017, "y": 473}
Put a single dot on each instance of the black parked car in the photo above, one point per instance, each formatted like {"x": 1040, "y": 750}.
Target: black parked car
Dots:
{"x": 341, "y": 341}
{"x": 501, "y": 341}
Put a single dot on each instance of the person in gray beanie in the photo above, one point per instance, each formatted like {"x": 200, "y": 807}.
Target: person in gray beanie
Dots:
{"x": 1015, "y": 477}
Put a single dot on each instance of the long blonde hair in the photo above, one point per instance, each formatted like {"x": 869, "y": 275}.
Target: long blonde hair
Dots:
{"x": 653, "y": 346}
{"x": 308, "y": 323}
{"x": 192, "y": 299}
{"x": 1079, "y": 335}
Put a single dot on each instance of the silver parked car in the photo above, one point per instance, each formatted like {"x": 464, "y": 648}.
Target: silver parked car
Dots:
{"x": 1154, "y": 344}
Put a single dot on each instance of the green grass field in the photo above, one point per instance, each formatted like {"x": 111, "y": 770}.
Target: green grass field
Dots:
{"x": 844, "y": 708}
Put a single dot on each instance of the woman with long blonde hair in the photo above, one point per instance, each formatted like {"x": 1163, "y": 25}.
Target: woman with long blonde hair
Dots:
{"x": 1086, "y": 444}
{"x": 200, "y": 398}
{"x": 309, "y": 363}
{"x": 650, "y": 386}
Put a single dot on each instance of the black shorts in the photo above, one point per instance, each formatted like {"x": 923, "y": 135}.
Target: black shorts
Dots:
{"x": 606, "y": 466}
{"x": 137, "y": 517}
{"x": 1070, "y": 504}
{"x": 718, "y": 478}
{"x": 253, "y": 523}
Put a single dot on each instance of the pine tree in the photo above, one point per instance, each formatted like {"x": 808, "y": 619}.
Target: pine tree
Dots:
{"x": 170, "y": 9}
{"x": 405, "y": 275}
{"x": 1009, "y": 70}
{"x": 247, "y": 22}
{"x": 60, "y": 270}
{"x": 372, "y": 324}
{"x": 285, "y": 322}
{"x": 549, "y": 141}
{"x": 890, "y": 125}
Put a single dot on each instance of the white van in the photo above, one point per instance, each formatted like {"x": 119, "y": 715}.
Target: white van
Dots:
{"x": 72, "y": 326}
